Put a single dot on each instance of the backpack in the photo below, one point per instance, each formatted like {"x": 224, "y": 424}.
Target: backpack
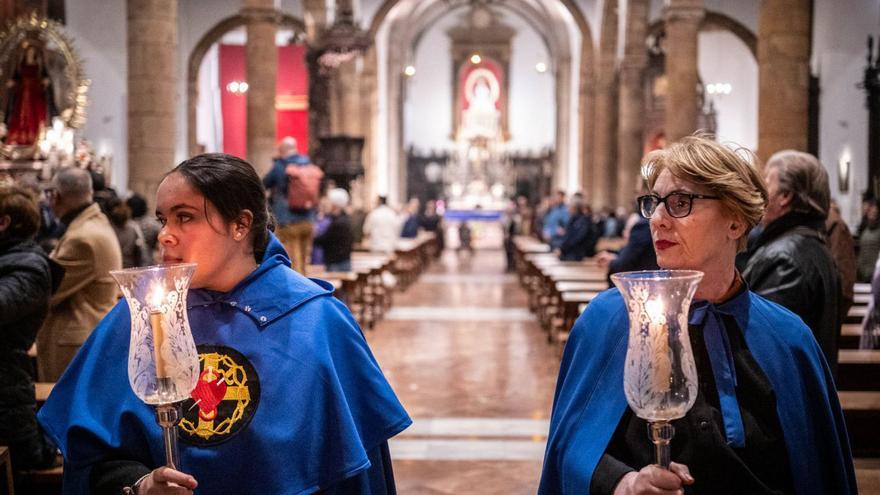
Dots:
{"x": 303, "y": 186}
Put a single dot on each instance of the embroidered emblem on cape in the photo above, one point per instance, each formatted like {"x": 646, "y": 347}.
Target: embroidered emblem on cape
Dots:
{"x": 224, "y": 400}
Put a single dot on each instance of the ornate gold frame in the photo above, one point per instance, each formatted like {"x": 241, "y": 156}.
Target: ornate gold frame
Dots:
{"x": 54, "y": 39}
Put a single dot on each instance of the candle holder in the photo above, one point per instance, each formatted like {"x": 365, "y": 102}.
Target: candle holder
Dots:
{"x": 163, "y": 363}
{"x": 660, "y": 377}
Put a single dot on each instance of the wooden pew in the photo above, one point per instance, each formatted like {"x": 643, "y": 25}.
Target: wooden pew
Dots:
{"x": 43, "y": 389}
{"x": 856, "y": 314}
{"x": 861, "y": 410}
{"x": 6, "y": 465}
{"x": 858, "y": 370}
{"x": 850, "y": 334}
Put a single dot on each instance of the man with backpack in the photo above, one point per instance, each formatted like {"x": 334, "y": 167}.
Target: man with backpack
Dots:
{"x": 294, "y": 184}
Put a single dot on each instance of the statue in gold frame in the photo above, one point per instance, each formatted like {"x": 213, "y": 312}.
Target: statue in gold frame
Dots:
{"x": 42, "y": 80}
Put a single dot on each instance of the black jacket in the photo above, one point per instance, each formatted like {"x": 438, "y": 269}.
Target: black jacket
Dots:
{"x": 581, "y": 236}
{"x": 638, "y": 253}
{"x": 337, "y": 241}
{"x": 792, "y": 266}
{"x": 27, "y": 280}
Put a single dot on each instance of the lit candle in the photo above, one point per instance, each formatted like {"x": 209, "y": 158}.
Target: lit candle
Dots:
{"x": 658, "y": 333}
{"x": 157, "y": 322}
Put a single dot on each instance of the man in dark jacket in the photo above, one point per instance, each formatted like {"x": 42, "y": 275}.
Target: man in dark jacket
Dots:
{"x": 27, "y": 279}
{"x": 791, "y": 264}
{"x": 338, "y": 240}
{"x": 637, "y": 254}
{"x": 581, "y": 233}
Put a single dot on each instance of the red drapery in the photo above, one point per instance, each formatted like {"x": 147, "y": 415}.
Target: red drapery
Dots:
{"x": 291, "y": 100}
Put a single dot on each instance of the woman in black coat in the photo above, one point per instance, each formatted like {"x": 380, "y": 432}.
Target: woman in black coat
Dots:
{"x": 27, "y": 280}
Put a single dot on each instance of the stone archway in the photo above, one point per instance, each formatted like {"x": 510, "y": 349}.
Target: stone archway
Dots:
{"x": 584, "y": 95}
{"x": 716, "y": 20}
{"x": 198, "y": 54}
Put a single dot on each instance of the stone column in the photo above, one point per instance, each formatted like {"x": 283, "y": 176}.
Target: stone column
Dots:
{"x": 262, "y": 70}
{"x": 602, "y": 190}
{"x": 631, "y": 128}
{"x": 152, "y": 84}
{"x": 683, "y": 19}
{"x": 784, "y": 29}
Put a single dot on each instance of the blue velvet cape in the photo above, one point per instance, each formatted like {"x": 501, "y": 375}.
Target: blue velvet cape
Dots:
{"x": 324, "y": 402}
{"x": 590, "y": 401}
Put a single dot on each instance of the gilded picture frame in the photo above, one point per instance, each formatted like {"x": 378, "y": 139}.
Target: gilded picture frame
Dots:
{"x": 41, "y": 41}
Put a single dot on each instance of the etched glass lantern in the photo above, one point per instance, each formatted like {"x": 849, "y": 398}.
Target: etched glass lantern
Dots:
{"x": 163, "y": 363}
{"x": 660, "y": 377}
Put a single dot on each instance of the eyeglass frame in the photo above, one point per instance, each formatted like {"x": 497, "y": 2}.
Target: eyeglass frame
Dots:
{"x": 663, "y": 200}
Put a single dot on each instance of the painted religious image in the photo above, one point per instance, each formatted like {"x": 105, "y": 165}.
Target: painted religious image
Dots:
{"x": 481, "y": 114}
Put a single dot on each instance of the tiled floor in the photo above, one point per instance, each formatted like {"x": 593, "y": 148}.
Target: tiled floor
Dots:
{"x": 475, "y": 372}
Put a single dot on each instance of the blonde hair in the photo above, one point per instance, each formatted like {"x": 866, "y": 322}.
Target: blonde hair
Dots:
{"x": 731, "y": 175}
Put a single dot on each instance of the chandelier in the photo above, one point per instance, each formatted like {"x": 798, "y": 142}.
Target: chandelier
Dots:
{"x": 343, "y": 40}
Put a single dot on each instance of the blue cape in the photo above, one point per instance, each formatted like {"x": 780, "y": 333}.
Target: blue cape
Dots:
{"x": 323, "y": 401}
{"x": 590, "y": 401}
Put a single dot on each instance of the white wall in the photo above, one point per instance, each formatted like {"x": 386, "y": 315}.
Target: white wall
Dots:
{"x": 101, "y": 42}
{"x": 737, "y": 111}
{"x": 429, "y": 97}
{"x": 840, "y": 31}
{"x": 194, "y": 19}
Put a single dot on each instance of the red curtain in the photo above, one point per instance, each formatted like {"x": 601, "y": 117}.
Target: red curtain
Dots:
{"x": 291, "y": 101}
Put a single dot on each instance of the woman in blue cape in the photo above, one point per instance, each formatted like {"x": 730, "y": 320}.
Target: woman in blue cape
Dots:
{"x": 766, "y": 419}
{"x": 289, "y": 400}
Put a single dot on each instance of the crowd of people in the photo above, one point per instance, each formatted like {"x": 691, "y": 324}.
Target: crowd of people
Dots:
{"x": 771, "y": 245}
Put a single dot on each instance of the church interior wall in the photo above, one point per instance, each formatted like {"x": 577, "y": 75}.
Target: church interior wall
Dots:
{"x": 839, "y": 35}
{"x": 195, "y": 18}
{"x": 737, "y": 111}
{"x": 98, "y": 29}
{"x": 428, "y": 106}
{"x": 839, "y": 53}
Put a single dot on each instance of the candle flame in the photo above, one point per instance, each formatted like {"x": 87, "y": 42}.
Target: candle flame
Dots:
{"x": 656, "y": 311}
{"x": 156, "y": 295}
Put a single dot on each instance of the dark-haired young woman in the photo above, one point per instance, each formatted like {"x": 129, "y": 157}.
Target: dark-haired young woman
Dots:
{"x": 290, "y": 399}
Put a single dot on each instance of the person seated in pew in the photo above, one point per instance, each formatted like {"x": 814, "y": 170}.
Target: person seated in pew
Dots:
{"x": 28, "y": 277}
{"x": 337, "y": 241}
{"x": 637, "y": 254}
{"x": 766, "y": 419}
{"x": 318, "y": 411}
{"x": 581, "y": 234}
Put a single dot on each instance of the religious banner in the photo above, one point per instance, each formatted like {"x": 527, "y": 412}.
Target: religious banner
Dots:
{"x": 481, "y": 102}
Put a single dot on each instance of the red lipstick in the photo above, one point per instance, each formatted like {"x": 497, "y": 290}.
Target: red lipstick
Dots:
{"x": 662, "y": 244}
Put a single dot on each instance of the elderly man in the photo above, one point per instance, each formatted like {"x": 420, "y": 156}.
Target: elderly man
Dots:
{"x": 87, "y": 251}
{"x": 791, "y": 264}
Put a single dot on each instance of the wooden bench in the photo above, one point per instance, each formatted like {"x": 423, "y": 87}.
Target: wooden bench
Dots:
{"x": 43, "y": 389}
{"x": 858, "y": 370}
{"x": 856, "y": 313}
{"x": 6, "y": 463}
{"x": 861, "y": 410}
{"x": 850, "y": 335}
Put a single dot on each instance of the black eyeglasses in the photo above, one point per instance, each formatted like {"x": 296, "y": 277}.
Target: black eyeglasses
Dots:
{"x": 678, "y": 204}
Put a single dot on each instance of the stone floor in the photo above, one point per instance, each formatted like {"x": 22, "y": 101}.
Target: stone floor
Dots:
{"x": 473, "y": 369}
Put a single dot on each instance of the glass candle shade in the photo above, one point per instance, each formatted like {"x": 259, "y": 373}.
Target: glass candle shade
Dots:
{"x": 163, "y": 364}
{"x": 660, "y": 377}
